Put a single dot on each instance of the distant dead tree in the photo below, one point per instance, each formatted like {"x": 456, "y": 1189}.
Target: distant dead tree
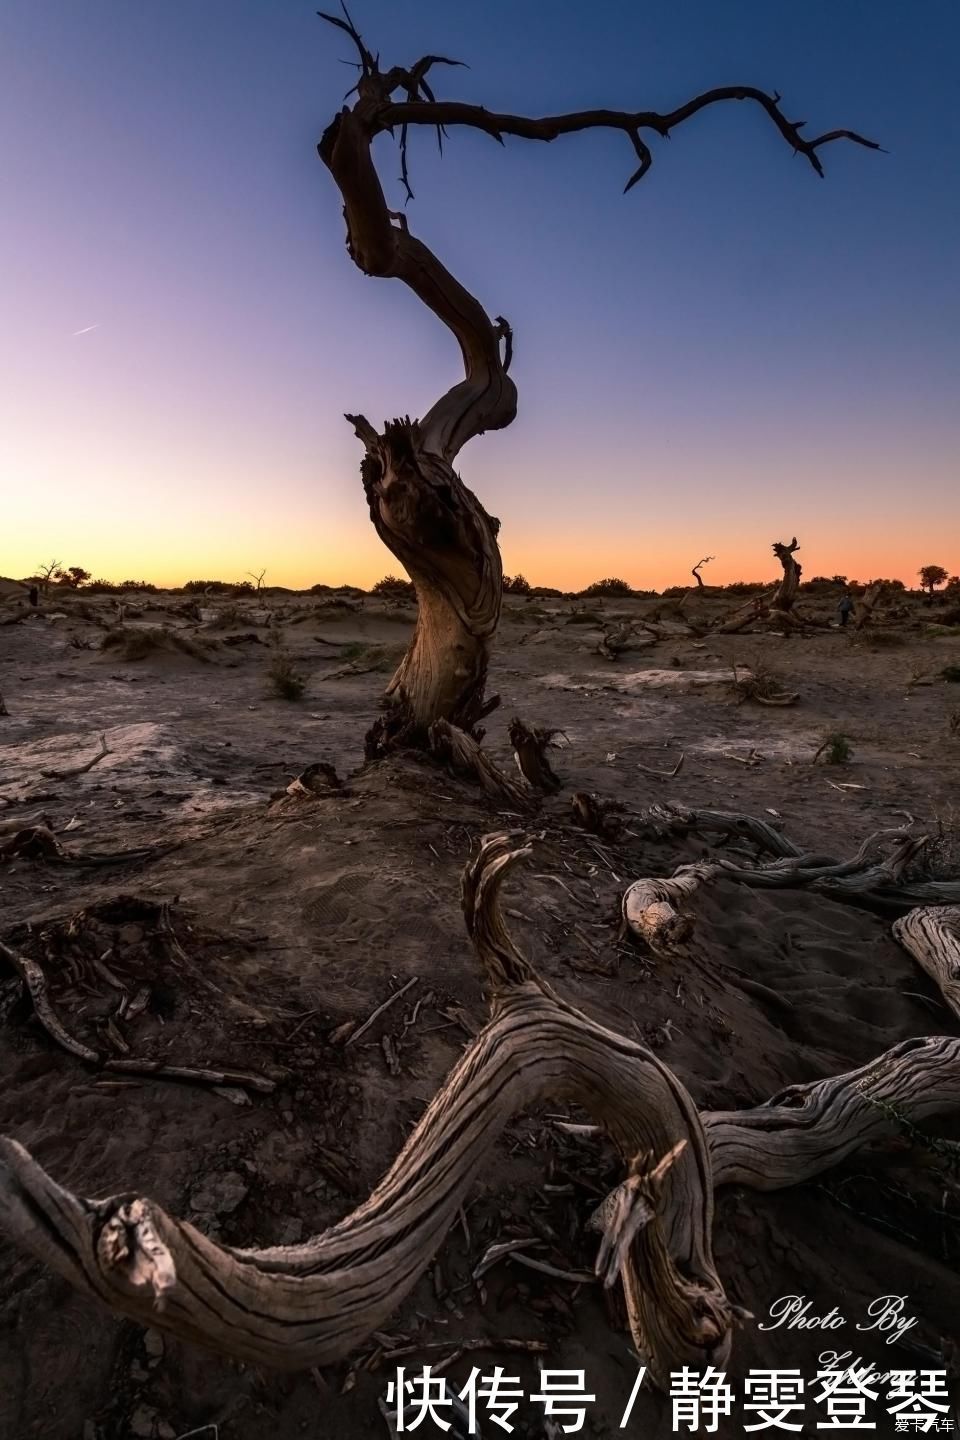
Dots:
{"x": 420, "y": 507}
{"x": 695, "y": 572}
{"x": 44, "y": 573}
{"x": 258, "y": 578}
{"x": 790, "y": 584}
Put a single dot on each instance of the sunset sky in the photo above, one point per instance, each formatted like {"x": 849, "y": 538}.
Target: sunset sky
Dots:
{"x": 733, "y": 353}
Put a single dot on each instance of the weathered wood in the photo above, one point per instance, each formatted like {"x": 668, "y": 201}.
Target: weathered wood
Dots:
{"x": 292, "y": 1307}
{"x": 419, "y": 506}
{"x": 652, "y": 908}
{"x": 931, "y": 934}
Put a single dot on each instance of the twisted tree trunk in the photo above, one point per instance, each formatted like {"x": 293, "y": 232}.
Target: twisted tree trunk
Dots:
{"x": 291, "y": 1307}
{"x": 421, "y": 509}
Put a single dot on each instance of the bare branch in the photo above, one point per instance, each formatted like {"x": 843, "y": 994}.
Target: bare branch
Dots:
{"x": 451, "y": 112}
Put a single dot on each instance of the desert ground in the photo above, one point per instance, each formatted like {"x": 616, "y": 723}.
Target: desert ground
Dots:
{"x": 192, "y": 911}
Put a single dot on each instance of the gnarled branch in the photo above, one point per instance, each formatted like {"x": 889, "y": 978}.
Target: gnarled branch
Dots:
{"x": 291, "y": 1307}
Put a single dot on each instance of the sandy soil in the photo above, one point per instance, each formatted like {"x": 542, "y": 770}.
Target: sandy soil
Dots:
{"x": 295, "y": 917}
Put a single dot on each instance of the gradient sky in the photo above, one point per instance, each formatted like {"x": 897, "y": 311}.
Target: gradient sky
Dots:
{"x": 733, "y": 353}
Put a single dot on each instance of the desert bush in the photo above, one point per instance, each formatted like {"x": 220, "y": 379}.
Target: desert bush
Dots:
{"x": 673, "y": 592}
{"x": 213, "y": 587}
{"x": 138, "y": 585}
{"x": 284, "y": 678}
{"x": 391, "y": 587}
{"x": 584, "y": 617}
{"x": 835, "y": 750}
{"x": 609, "y": 586}
{"x": 516, "y": 585}
{"x": 745, "y": 587}
{"x": 951, "y": 673}
{"x": 102, "y": 587}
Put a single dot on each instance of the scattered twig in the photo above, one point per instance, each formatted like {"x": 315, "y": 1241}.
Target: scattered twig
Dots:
{"x": 78, "y": 769}
{"x": 391, "y": 1000}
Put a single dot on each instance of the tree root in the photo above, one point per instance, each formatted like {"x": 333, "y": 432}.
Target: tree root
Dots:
{"x": 297, "y": 1306}
{"x": 530, "y": 746}
{"x": 931, "y": 934}
{"x": 465, "y": 757}
{"x": 38, "y": 842}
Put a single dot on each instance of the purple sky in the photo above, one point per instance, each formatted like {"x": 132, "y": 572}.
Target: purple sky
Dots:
{"x": 733, "y": 353}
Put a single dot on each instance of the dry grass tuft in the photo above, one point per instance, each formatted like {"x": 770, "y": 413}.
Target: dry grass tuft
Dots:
{"x": 285, "y": 680}
{"x": 138, "y": 644}
{"x": 760, "y": 684}
{"x": 835, "y": 750}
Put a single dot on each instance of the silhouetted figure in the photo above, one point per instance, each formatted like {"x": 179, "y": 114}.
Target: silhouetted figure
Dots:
{"x": 846, "y": 610}
{"x": 34, "y": 596}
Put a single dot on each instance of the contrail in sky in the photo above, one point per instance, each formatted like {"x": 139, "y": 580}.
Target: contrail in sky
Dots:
{"x": 86, "y": 329}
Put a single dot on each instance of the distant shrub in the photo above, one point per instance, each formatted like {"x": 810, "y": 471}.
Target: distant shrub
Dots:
{"x": 745, "y": 587}
{"x": 138, "y": 585}
{"x": 393, "y": 588}
{"x": 516, "y": 585}
{"x": 102, "y": 587}
{"x": 242, "y": 587}
{"x": 610, "y": 586}
{"x": 545, "y": 592}
{"x": 673, "y": 592}
{"x": 212, "y": 587}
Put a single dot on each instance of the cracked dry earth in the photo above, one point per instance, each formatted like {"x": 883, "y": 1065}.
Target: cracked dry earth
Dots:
{"x": 263, "y": 932}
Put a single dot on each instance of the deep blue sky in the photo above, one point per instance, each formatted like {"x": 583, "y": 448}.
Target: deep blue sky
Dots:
{"x": 733, "y": 352}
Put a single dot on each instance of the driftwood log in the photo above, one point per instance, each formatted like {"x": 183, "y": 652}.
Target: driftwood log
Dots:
{"x": 419, "y": 506}
{"x": 292, "y": 1307}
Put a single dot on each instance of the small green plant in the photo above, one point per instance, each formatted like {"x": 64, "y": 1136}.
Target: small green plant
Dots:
{"x": 286, "y": 682}
{"x": 951, "y": 673}
{"x": 835, "y": 750}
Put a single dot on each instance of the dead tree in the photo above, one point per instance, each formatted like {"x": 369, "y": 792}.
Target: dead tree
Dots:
{"x": 314, "y": 1303}
{"x": 45, "y": 572}
{"x": 695, "y": 572}
{"x": 258, "y": 578}
{"x": 790, "y": 584}
{"x": 422, "y": 511}
{"x": 866, "y": 604}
